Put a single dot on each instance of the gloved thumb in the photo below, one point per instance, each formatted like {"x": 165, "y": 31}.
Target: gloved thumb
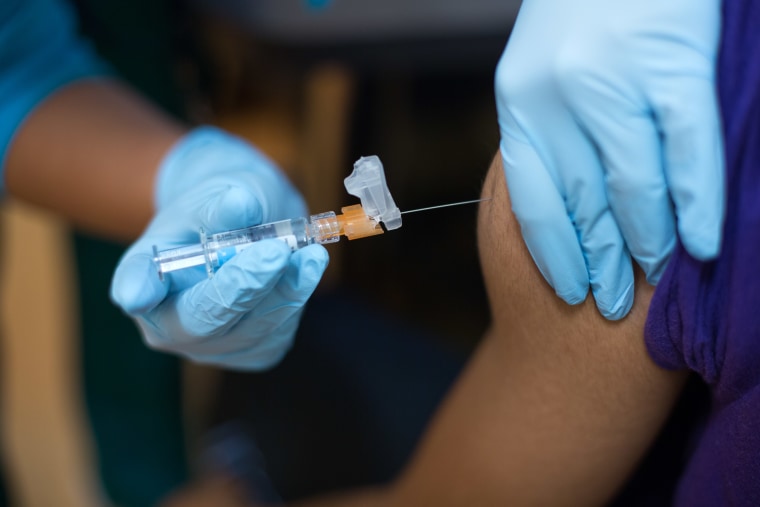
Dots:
{"x": 136, "y": 287}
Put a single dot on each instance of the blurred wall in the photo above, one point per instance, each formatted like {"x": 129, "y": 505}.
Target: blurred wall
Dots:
{"x": 47, "y": 448}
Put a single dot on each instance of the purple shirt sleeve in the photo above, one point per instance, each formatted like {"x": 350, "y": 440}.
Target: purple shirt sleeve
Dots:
{"x": 705, "y": 316}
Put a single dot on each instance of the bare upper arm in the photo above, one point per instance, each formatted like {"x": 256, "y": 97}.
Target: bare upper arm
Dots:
{"x": 556, "y": 406}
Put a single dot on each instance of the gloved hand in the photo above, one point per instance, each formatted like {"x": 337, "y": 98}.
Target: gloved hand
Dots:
{"x": 610, "y": 138}
{"x": 244, "y": 317}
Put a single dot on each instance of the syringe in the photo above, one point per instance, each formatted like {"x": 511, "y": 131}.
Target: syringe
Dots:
{"x": 367, "y": 182}
{"x": 216, "y": 249}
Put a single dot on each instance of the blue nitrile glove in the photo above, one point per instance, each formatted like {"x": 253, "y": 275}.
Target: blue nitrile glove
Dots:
{"x": 610, "y": 136}
{"x": 246, "y": 315}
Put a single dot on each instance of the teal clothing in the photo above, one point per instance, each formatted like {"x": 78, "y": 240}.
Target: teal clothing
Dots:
{"x": 39, "y": 53}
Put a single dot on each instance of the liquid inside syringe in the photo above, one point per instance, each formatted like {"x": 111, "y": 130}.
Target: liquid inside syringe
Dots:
{"x": 214, "y": 250}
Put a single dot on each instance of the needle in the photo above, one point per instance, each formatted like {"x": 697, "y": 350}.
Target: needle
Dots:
{"x": 446, "y": 205}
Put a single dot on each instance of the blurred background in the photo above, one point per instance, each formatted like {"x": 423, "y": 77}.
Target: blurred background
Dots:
{"x": 92, "y": 417}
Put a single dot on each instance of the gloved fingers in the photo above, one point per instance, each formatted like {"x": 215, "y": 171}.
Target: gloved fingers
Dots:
{"x": 294, "y": 288}
{"x": 305, "y": 270}
{"x": 631, "y": 153}
{"x": 267, "y": 328}
{"x": 694, "y": 163}
{"x": 574, "y": 240}
{"x": 607, "y": 259}
{"x": 210, "y": 308}
{"x": 609, "y": 262}
{"x": 224, "y": 208}
{"x": 546, "y": 228}
{"x": 136, "y": 287}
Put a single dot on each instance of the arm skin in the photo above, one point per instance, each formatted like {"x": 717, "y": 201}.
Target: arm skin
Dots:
{"x": 90, "y": 153}
{"x": 557, "y": 405}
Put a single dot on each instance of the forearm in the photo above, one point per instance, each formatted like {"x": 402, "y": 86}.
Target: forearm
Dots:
{"x": 90, "y": 153}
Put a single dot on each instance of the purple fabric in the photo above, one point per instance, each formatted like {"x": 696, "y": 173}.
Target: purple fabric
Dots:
{"x": 706, "y": 316}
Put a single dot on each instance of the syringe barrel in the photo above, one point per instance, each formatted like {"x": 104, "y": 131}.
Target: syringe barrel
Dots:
{"x": 221, "y": 247}
{"x": 216, "y": 249}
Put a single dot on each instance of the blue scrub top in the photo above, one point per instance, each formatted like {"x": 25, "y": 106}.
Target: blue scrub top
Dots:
{"x": 40, "y": 51}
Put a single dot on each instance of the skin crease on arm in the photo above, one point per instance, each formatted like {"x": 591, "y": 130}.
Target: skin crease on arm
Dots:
{"x": 90, "y": 153}
{"x": 556, "y": 407}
